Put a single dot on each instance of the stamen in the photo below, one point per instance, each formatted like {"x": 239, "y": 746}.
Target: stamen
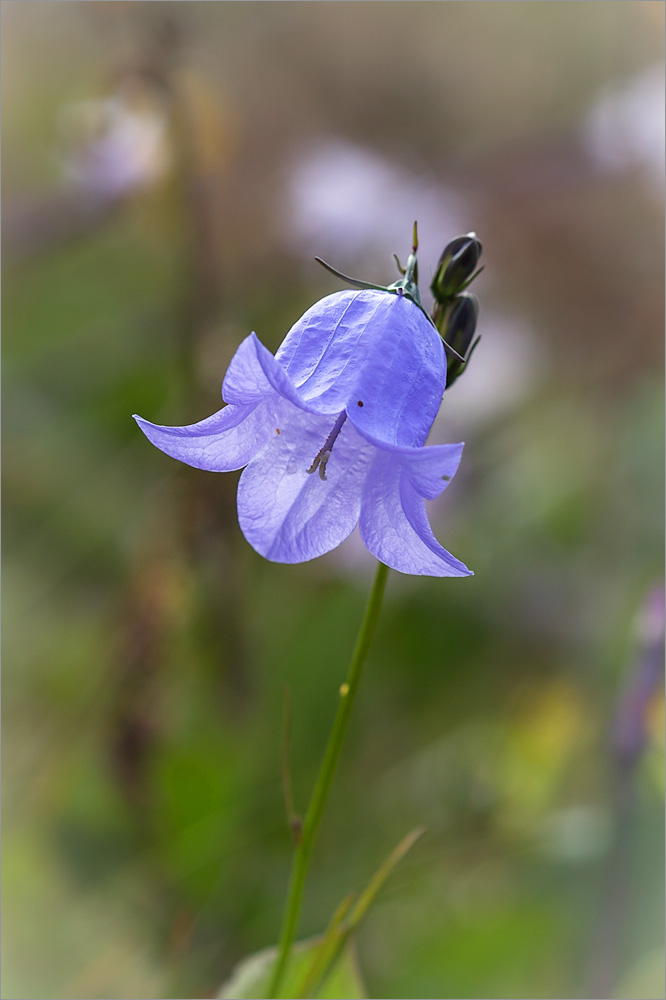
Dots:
{"x": 323, "y": 455}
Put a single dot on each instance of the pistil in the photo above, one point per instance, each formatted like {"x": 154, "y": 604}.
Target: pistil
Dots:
{"x": 323, "y": 455}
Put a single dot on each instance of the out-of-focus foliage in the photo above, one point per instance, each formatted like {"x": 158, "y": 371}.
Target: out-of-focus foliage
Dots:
{"x": 251, "y": 978}
{"x": 168, "y": 172}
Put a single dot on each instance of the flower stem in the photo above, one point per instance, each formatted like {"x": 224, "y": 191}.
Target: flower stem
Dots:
{"x": 324, "y": 779}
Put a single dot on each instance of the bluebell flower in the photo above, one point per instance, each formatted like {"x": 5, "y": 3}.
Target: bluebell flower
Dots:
{"x": 331, "y": 432}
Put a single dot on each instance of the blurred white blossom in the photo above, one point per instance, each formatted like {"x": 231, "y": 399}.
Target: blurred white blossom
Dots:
{"x": 114, "y": 145}
{"x": 624, "y": 129}
{"x": 346, "y": 201}
{"x": 504, "y": 368}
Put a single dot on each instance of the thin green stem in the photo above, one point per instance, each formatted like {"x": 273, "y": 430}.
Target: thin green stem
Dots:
{"x": 323, "y": 784}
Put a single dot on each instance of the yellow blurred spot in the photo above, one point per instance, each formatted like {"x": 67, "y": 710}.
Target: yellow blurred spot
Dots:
{"x": 552, "y": 721}
{"x": 212, "y": 128}
{"x": 547, "y": 731}
{"x": 344, "y": 690}
{"x": 654, "y": 720}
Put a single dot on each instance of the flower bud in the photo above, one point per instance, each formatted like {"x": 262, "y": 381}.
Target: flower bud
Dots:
{"x": 456, "y": 267}
{"x": 461, "y": 322}
{"x": 457, "y": 329}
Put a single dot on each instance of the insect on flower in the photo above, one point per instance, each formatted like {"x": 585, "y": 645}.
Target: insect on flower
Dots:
{"x": 331, "y": 431}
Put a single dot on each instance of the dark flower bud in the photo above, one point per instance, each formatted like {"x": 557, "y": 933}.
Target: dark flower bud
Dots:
{"x": 456, "y": 267}
{"x": 457, "y": 329}
{"x": 461, "y": 323}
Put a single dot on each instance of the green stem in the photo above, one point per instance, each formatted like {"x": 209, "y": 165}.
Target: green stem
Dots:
{"x": 324, "y": 779}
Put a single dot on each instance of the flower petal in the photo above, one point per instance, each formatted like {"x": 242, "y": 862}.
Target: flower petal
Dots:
{"x": 227, "y": 440}
{"x": 394, "y": 524}
{"x": 326, "y": 347}
{"x": 253, "y": 374}
{"x": 374, "y": 353}
{"x": 429, "y": 468}
{"x": 289, "y": 515}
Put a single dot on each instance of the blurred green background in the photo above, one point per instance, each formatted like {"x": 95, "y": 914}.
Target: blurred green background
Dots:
{"x": 169, "y": 171}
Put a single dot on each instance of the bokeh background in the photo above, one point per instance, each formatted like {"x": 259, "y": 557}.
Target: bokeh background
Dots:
{"x": 169, "y": 172}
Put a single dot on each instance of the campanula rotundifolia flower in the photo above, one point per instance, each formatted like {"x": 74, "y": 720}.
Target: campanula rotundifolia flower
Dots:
{"x": 331, "y": 431}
